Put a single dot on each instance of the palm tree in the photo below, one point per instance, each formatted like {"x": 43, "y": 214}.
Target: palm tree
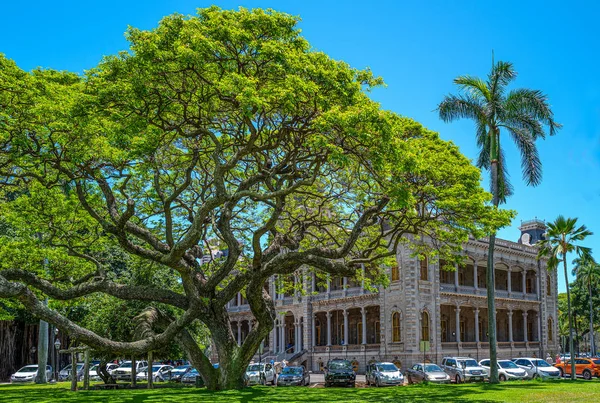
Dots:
{"x": 588, "y": 273}
{"x": 562, "y": 237}
{"x": 523, "y": 114}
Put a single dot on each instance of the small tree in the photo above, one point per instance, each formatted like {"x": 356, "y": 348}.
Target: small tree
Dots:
{"x": 224, "y": 131}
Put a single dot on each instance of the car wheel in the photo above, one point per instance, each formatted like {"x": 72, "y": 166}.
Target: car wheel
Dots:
{"x": 326, "y": 385}
{"x": 502, "y": 378}
{"x": 308, "y": 381}
{"x": 457, "y": 379}
{"x": 263, "y": 381}
{"x": 587, "y": 375}
{"x": 561, "y": 372}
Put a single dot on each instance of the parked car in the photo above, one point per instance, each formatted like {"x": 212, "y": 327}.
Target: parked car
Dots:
{"x": 123, "y": 373}
{"x": 260, "y": 374}
{"x": 383, "y": 373}
{"x": 463, "y": 369}
{"x": 178, "y": 372}
{"x": 293, "y": 376}
{"x": 160, "y": 373}
{"x": 95, "y": 376}
{"x": 65, "y": 373}
{"x": 536, "y": 367}
{"x": 28, "y": 374}
{"x": 507, "y": 369}
{"x": 424, "y": 372}
{"x": 190, "y": 377}
{"x": 339, "y": 372}
{"x": 586, "y": 367}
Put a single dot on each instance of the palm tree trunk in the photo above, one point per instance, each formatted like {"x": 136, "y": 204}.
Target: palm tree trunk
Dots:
{"x": 490, "y": 273}
{"x": 592, "y": 340}
{"x": 571, "y": 349}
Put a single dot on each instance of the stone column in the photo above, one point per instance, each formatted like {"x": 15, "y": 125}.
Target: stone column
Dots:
{"x": 296, "y": 335}
{"x": 345, "y": 284}
{"x": 525, "y": 338}
{"x": 328, "y": 285}
{"x": 362, "y": 284}
{"x": 509, "y": 281}
{"x": 524, "y": 273}
{"x": 314, "y": 332}
{"x": 329, "y": 328}
{"x": 239, "y": 298}
{"x": 313, "y": 283}
{"x": 364, "y": 325}
{"x": 345, "y": 326}
{"x": 475, "y": 279}
{"x": 239, "y": 335}
{"x": 274, "y": 346}
{"x": 510, "y": 326}
{"x": 457, "y": 312}
{"x": 476, "y": 310}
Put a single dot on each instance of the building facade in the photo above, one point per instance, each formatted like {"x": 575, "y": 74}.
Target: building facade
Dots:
{"x": 425, "y": 313}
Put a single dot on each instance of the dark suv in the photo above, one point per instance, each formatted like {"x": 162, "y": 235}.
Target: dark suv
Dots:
{"x": 339, "y": 372}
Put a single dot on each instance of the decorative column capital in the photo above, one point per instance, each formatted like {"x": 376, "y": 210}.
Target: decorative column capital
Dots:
{"x": 345, "y": 313}
{"x": 525, "y": 315}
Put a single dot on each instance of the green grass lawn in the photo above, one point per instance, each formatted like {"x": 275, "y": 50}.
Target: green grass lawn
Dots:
{"x": 527, "y": 391}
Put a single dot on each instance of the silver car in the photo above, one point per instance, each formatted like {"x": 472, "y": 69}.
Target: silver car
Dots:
{"x": 507, "y": 370}
{"x": 383, "y": 373}
{"x": 95, "y": 376}
{"x": 260, "y": 374}
{"x": 28, "y": 373}
{"x": 463, "y": 369}
{"x": 537, "y": 368}
{"x": 65, "y": 373}
{"x": 160, "y": 373}
{"x": 425, "y": 372}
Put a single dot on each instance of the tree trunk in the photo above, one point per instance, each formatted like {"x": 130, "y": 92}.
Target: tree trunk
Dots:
{"x": 592, "y": 340}
{"x": 150, "y": 374}
{"x": 86, "y": 370}
{"x": 42, "y": 350}
{"x": 490, "y": 272}
{"x": 106, "y": 377}
{"x": 133, "y": 372}
{"x": 571, "y": 349}
{"x": 73, "y": 371}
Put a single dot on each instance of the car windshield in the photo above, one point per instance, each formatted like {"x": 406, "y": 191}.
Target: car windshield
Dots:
{"x": 387, "y": 368}
{"x": 156, "y": 367}
{"x": 292, "y": 371}
{"x": 255, "y": 367}
{"x": 126, "y": 365}
{"x": 67, "y": 368}
{"x": 340, "y": 365}
{"x": 431, "y": 368}
{"x": 94, "y": 368}
{"x": 540, "y": 363}
{"x": 468, "y": 363}
{"x": 507, "y": 364}
{"x": 193, "y": 372}
{"x": 181, "y": 369}
{"x": 29, "y": 368}
{"x": 79, "y": 366}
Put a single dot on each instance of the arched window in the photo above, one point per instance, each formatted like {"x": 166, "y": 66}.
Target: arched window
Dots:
{"x": 424, "y": 269}
{"x": 424, "y": 326}
{"x": 395, "y": 273}
{"x": 396, "y": 335}
{"x": 550, "y": 330}
{"x": 548, "y": 285}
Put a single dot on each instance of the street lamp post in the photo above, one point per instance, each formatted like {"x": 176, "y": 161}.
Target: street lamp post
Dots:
{"x": 56, "y": 347}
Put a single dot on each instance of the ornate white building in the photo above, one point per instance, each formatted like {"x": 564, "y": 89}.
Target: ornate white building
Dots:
{"x": 424, "y": 314}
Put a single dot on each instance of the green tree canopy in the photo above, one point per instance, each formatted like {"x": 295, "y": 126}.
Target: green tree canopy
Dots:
{"x": 221, "y": 131}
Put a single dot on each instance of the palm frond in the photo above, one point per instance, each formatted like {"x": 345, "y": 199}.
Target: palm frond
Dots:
{"x": 533, "y": 103}
{"x": 501, "y": 75}
{"x": 483, "y": 141}
{"x": 474, "y": 86}
{"x": 530, "y": 160}
{"x": 461, "y": 106}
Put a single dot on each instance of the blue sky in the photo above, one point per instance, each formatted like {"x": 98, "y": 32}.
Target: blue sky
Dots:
{"x": 417, "y": 47}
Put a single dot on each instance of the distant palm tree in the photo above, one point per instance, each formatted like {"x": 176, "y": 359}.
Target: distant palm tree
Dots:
{"x": 562, "y": 237}
{"x": 523, "y": 114}
{"x": 588, "y": 273}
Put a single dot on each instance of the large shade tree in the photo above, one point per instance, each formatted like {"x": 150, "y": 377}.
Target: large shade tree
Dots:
{"x": 522, "y": 114}
{"x": 563, "y": 237}
{"x": 221, "y": 131}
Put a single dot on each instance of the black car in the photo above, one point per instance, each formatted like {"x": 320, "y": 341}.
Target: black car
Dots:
{"x": 339, "y": 372}
{"x": 293, "y": 376}
{"x": 178, "y": 372}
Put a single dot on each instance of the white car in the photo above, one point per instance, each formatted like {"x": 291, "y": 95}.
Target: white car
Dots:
{"x": 160, "y": 373}
{"x": 123, "y": 373}
{"x": 536, "y": 367}
{"x": 95, "y": 376}
{"x": 507, "y": 369}
{"x": 28, "y": 374}
{"x": 463, "y": 369}
{"x": 260, "y": 374}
